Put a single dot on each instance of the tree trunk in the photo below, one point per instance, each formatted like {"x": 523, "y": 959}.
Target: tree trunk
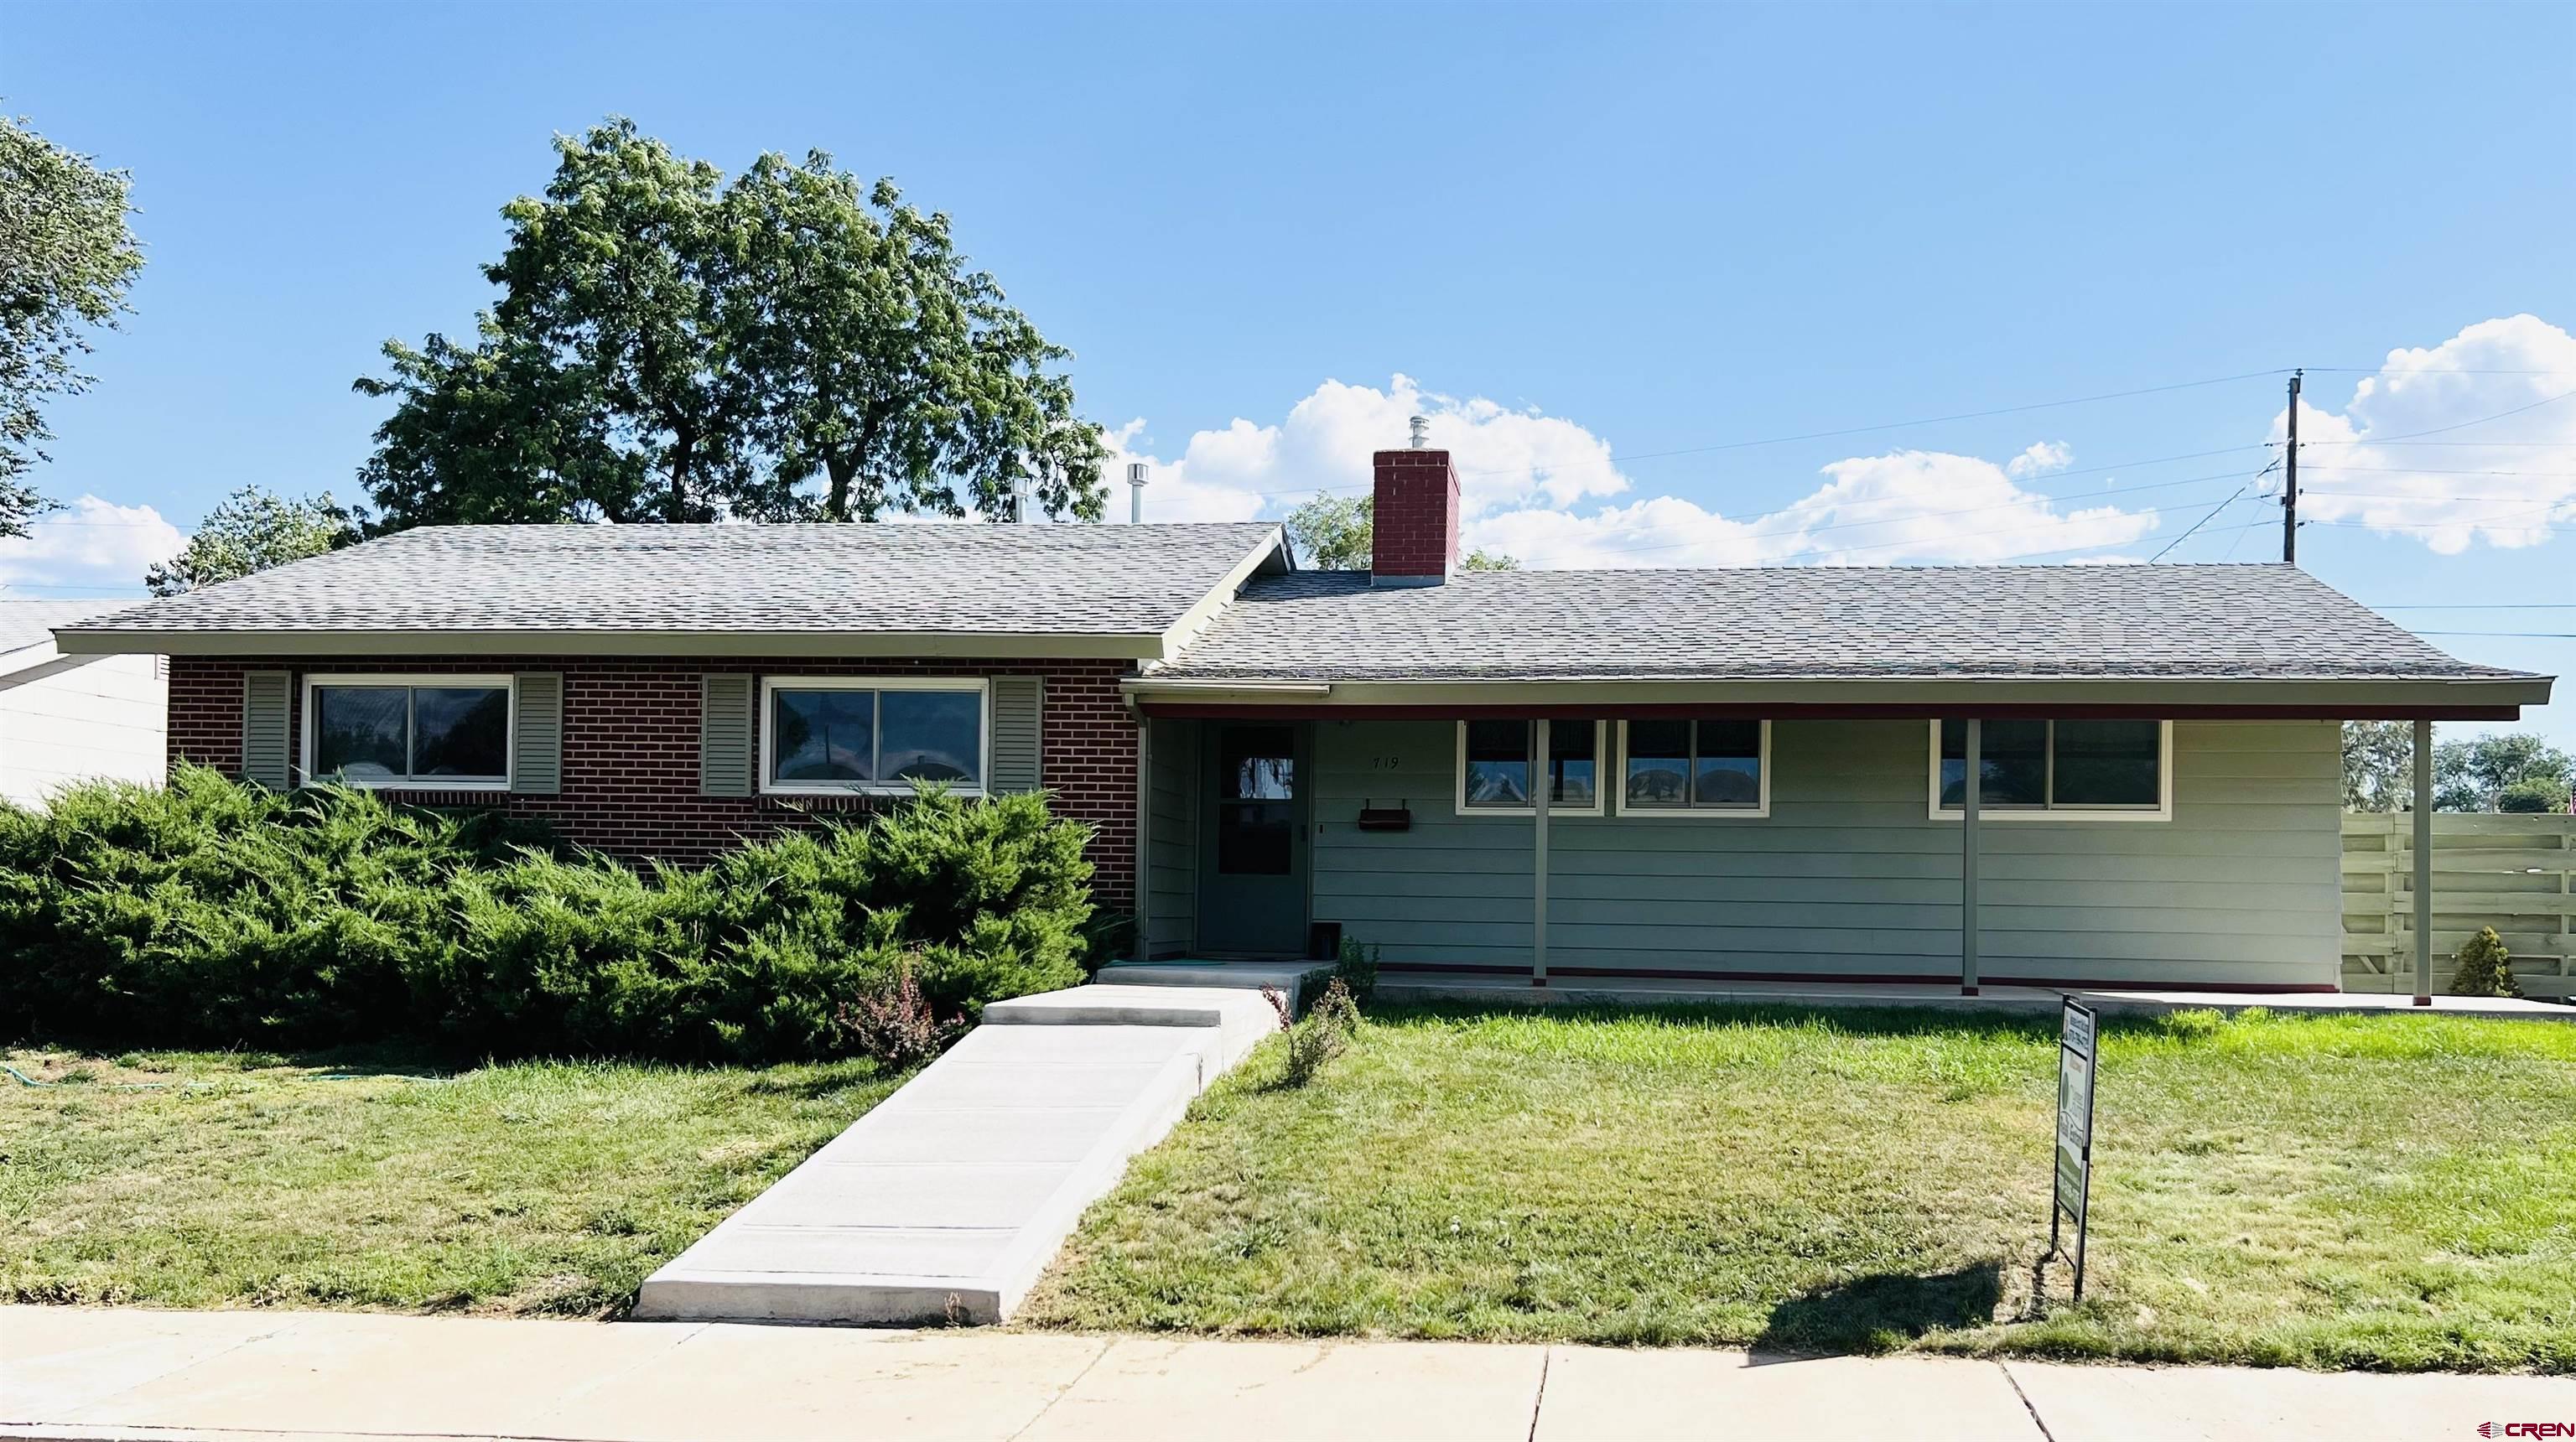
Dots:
{"x": 683, "y": 450}
{"x": 843, "y": 468}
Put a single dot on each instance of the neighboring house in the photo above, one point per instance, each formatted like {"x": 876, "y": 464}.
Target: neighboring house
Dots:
{"x": 74, "y": 718}
{"x": 1751, "y": 773}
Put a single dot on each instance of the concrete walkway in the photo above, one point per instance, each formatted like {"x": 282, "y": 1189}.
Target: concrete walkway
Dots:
{"x": 945, "y": 1202}
{"x": 90, "y": 1373}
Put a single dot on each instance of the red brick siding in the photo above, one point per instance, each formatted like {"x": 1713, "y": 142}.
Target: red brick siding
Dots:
{"x": 630, "y": 747}
{"x": 1415, "y": 515}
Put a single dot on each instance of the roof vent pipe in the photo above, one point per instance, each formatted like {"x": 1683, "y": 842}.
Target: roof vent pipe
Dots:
{"x": 1135, "y": 493}
{"x": 1421, "y": 431}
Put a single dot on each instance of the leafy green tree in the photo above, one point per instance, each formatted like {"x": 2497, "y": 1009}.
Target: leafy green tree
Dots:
{"x": 1337, "y": 533}
{"x": 67, "y": 258}
{"x": 251, "y": 531}
{"x": 877, "y": 360}
{"x": 669, "y": 347}
{"x": 615, "y": 273}
{"x": 2475, "y": 775}
{"x": 2378, "y": 765}
{"x": 496, "y": 433}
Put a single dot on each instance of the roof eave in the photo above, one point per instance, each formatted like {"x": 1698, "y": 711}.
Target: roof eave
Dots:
{"x": 2353, "y": 698}
{"x": 1094, "y": 645}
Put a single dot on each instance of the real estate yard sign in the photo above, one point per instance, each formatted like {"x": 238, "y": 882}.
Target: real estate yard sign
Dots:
{"x": 2075, "y": 1037}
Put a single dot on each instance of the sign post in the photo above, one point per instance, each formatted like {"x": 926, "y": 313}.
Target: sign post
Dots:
{"x": 2074, "y": 1191}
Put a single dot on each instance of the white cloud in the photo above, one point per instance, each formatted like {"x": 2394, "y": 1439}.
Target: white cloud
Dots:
{"x": 1908, "y": 506}
{"x": 88, "y": 545}
{"x": 1549, "y": 491}
{"x": 2455, "y": 444}
{"x": 1504, "y": 456}
{"x": 2039, "y": 459}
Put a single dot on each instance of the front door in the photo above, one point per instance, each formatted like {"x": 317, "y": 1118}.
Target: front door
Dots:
{"x": 1252, "y": 865}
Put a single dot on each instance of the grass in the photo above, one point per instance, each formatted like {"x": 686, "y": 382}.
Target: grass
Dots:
{"x": 212, "y": 1180}
{"x": 2347, "y": 1192}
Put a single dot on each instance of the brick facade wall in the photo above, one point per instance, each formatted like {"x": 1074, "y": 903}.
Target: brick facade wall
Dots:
{"x": 1414, "y": 516}
{"x": 630, "y": 747}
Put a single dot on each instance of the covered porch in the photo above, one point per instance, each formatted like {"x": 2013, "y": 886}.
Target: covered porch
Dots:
{"x": 1854, "y": 861}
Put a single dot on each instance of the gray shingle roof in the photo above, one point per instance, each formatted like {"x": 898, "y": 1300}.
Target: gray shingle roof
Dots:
{"x": 32, "y": 623}
{"x": 2226, "y": 621}
{"x": 820, "y": 579}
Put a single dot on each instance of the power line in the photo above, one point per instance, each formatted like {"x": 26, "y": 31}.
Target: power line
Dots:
{"x": 2430, "y": 371}
{"x": 2484, "y": 606}
{"x": 1937, "y": 420}
{"x": 2229, "y": 500}
{"x": 1887, "y": 545}
{"x": 2022, "y": 499}
{"x": 1616, "y": 461}
{"x": 2522, "y": 635}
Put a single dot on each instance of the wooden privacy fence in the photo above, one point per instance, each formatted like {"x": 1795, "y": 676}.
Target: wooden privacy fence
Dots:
{"x": 2516, "y": 873}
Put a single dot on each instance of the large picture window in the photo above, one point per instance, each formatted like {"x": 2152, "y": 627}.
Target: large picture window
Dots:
{"x": 1495, "y": 771}
{"x": 1706, "y": 766}
{"x": 2064, "y": 769}
{"x": 449, "y": 733}
{"x": 827, "y": 735}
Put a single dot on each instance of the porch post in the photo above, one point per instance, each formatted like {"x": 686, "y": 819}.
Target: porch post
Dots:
{"x": 1968, "y": 806}
{"x": 2423, "y": 862}
{"x": 1539, "y": 778}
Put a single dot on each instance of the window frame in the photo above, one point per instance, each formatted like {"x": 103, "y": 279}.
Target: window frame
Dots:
{"x": 767, "y": 721}
{"x": 1538, "y": 770}
{"x": 1696, "y": 810}
{"x": 315, "y": 682}
{"x": 2049, "y": 811}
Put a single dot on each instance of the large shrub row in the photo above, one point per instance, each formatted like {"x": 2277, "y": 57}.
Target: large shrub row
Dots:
{"x": 216, "y": 914}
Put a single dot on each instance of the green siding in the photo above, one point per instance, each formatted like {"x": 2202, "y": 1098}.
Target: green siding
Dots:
{"x": 1848, "y": 873}
{"x": 1172, "y": 839}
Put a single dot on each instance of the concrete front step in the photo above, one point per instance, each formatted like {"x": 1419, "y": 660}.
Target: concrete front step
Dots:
{"x": 1300, "y": 981}
{"x": 945, "y": 1203}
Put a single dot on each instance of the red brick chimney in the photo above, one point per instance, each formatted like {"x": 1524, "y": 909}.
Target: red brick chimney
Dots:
{"x": 1415, "y": 525}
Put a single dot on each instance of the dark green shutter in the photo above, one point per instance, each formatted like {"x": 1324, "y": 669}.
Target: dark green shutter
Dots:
{"x": 264, "y": 729}
{"x": 536, "y": 750}
{"x": 1017, "y": 700}
{"x": 724, "y": 735}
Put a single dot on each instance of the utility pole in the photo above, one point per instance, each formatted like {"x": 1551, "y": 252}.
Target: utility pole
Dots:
{"x": 2290, "y": 479}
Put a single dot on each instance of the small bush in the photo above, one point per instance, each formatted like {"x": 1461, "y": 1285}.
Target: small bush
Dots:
{"x": 894, "y": 1024}
{"x": 1326, "y": 1032}
{"x": 1357, "y": 970}
{"x": 2484, "y": 967}
{"x": 214, "y": 914}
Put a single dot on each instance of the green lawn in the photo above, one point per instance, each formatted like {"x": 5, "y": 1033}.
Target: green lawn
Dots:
{"x": 2386, "y": 1191}
{"x": 197, "y": 1180}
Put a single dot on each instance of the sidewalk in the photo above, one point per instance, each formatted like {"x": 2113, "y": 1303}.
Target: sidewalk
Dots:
{"x": 89, "y": 1373}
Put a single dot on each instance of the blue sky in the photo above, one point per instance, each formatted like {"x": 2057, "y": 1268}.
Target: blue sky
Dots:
{"x": 1603, "y": 247}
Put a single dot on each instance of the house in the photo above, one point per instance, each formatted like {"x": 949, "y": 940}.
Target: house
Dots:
{"x": 1746, "y": 773}
{"x": 67, "y": 718}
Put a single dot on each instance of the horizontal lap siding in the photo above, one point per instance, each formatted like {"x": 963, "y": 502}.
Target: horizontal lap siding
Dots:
{"x": 1172, "y": 869}
{"x": 629, "y": 780}
{"x": 1848, "y": 874}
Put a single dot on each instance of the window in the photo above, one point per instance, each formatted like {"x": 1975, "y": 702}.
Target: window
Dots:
{"x": 447, "y": 733}
{"x": 1695, "y": 767}
{"x": 833, "y": 734}
{"x": 1494, "y": 767}
{"x": 2057, "y": 769}
{"x": 1255, "y": 804}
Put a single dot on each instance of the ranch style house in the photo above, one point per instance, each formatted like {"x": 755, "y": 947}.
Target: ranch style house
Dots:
{"x": 1719, "y": 774}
